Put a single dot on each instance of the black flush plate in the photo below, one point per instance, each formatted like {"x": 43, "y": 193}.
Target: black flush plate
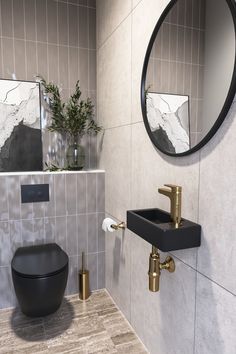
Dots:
{"x": 33, "y": 193}
{"x": 155, "y": 226}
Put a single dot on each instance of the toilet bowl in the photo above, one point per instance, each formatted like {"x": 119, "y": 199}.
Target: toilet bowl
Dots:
{"x": 39, "y": 276}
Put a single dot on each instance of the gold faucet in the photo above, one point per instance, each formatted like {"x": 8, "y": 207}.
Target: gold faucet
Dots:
{"x": 175, "y": 195}
{"x": 155, "y": 267}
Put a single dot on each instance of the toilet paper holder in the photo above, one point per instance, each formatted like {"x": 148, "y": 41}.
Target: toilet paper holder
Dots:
{"x": 119, "y": 226}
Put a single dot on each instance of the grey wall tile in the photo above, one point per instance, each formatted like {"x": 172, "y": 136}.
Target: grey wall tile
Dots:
{"x": 72, "y": 242}
{"x": 39, "y": 207}
{"x": 72, "y": 284}
{"x": 101, "y": 270}
{"x": 30, "y": 19}
{"x": 53, "y": 63}
{"x": 8, "y": 58}
{"x": 73, "y": 66}
{"x": 5, "y": 242}
{"x": 49, "y": 207}
{"x": 63, "y": 23}
{"x": 6, "y": 298}
{"x": 27, "y": 232}
{"x": 101, "y": 233}
{"x": 83, "y": 25}
{"x": 14, "y": 198}
{"x": 18, "y": 15}
{"x": 20, "y": 63}
{"x": 83, "y": 68}
{"x": 92, "y": 233}
{"x": 82, "y": 233}
{"x": 60, "y": 195}
{"x": 42, "y": 51}
{"x": 52, "y": 7}
{"x": 39, "y": 231}
{"x": 100, "y": 192}
{"x": 26, "y": 208}
{"x": 4, "y": 206}
{"x": 92, "y": 29}
{"x": 15, "y": 235}
{"x": 50, "y": 230}
{"x": 6, "y": 18}
{"x": 63, "y": 67}
{"x": 31, "y": 52}
{"x": 61, "y": 232}
{"x": 41, "y": 20}
{"x": 91, "y": 192}
{"x": 71, "y": 194}
{"x": 73, "y": 25}
{"x": 93, "y": 271}
{"x": 81, "y": 193}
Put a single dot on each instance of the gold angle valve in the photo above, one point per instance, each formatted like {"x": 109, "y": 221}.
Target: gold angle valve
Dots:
{"x": 155, "y": 267}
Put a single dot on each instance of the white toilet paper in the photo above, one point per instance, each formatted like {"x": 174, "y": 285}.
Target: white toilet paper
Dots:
{"x": 106, "y": 225}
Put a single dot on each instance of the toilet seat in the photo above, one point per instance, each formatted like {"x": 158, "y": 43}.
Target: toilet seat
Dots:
{"x": 39, "y": 261}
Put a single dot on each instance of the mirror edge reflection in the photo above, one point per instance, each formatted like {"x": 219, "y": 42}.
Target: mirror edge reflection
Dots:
{"x": 228, "y": 101}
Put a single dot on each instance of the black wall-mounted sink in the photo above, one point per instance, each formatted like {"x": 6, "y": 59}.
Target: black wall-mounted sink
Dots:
{"x": 155, "y": 226}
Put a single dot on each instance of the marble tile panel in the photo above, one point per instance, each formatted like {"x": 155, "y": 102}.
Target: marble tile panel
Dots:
{"x": 113, "y": 84}
{"x": 110, "y": 14}
{"x": 215, "y": 318}
{"x": 118, "y": 170}
{"x": 117, "y": 267}
{"x": 217, "y": 209}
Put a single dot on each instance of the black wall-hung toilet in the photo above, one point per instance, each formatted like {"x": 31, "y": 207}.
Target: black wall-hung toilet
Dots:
{"x": 39, "y": 276}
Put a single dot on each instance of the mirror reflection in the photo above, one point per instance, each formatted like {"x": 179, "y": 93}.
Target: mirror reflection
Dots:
{"x": 189, "y": 73}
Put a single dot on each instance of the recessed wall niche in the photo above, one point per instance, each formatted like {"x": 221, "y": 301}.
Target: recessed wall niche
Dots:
{"x": 57, "y": 40}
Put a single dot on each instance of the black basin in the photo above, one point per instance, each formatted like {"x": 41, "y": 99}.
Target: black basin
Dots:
{"x": 155, "y": 226}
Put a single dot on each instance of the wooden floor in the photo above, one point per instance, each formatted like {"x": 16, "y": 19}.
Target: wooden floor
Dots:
{"x": 92, "y": 326}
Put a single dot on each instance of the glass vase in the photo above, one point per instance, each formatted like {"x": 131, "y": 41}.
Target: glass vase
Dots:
{"x": 75, "y": 156}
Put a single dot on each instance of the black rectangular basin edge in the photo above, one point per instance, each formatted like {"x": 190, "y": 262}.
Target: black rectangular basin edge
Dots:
{"x": 155, "y": 226}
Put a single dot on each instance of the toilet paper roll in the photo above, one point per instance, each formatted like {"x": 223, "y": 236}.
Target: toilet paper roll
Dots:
{"x": 106, "y": 225}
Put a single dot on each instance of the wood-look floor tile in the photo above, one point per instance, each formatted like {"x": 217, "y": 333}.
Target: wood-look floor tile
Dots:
{"x": 93, "y": 326}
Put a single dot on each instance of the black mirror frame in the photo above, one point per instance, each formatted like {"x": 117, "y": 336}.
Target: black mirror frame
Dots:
{"x": 228, "y": 101}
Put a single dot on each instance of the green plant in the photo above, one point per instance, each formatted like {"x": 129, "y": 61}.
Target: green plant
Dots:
{"x": 74, "y": 118}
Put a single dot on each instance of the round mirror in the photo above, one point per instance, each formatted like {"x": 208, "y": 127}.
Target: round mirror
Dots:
{"x": 189, "y": 74}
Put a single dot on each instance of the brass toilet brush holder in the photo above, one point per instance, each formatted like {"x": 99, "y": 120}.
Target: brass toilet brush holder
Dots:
{"x": 84, "y": 290}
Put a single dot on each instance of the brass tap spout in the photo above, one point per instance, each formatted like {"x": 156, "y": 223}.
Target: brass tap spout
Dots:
{"x": 155, "y": 267}
{"x": 175, "y": 195}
